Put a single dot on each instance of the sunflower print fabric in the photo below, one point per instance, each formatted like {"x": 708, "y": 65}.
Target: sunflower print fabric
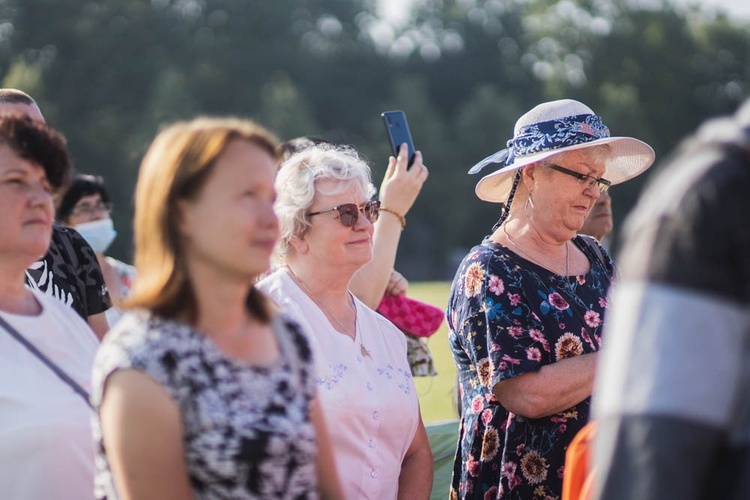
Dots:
{"x": 508, "y": 317}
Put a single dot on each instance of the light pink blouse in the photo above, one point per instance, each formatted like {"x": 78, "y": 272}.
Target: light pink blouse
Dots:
{"x": 365, "y": 388}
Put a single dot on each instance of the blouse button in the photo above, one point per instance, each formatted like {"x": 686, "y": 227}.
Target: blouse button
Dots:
{"x": 369, "y": 385}
{"x": 375, "y": 415}
{"x": 371, "y": 443}
{"x": 374, "y": 474}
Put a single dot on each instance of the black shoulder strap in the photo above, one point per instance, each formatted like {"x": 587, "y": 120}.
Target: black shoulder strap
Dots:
{"x": 48, "y": 362}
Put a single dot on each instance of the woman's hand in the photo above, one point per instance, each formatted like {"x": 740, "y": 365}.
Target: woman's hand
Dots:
{"x": 401, "y": 185}
{"x": 397, "y": 284}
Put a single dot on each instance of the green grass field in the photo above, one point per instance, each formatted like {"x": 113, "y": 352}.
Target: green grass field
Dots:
{"x": 436, "y": 394}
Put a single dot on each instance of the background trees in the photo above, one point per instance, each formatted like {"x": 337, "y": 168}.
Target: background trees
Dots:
{"x": 109, "y": 74}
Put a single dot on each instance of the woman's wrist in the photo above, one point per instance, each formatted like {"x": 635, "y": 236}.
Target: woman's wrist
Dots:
{"x": 396, "y": 214}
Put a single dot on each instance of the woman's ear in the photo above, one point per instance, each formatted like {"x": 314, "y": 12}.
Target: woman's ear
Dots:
{"x": 300, "y": 245}
{"x": 528, "y": 176}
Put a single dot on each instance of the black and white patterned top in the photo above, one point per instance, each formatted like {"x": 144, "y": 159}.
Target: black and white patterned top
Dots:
{"x": 247, "y": 429}
{"x": 70, "y": 273}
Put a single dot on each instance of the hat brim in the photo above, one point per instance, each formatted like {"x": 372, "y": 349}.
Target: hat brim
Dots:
{"x": 630, "y": 158}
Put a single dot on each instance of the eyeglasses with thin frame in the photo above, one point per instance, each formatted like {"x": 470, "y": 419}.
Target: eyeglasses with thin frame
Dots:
{"x": 349, "y": 212}
{"x": 583, "y": 178}
{"x": 88, "y": 209}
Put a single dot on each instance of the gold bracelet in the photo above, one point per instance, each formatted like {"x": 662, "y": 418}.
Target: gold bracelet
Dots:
{"x": 401, "y": 218}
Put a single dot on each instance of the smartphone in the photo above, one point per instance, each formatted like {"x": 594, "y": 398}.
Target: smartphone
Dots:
{"x": 398, "y": 132}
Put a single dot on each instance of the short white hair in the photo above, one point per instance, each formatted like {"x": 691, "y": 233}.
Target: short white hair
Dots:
{"x": 296, "y": 187}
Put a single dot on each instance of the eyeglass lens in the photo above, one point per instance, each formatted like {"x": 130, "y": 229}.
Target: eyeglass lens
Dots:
{"x": 349, "y": 212}
{"x": 87, "y": 209}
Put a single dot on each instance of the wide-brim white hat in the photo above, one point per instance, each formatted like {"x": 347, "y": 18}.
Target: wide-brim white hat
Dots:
{"x": 555, "y": 127}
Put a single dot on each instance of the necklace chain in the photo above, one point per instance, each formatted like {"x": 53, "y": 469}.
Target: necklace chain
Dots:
{"x": 362, "y": 349}
{"x": 507, "y": 235}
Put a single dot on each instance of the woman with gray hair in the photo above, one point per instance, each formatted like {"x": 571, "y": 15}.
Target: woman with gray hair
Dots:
{"x": 364, "y": 381}
{"x": 527, "y": 305}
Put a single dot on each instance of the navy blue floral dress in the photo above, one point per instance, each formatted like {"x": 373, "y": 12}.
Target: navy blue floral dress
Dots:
{"x": 507, "y": 317}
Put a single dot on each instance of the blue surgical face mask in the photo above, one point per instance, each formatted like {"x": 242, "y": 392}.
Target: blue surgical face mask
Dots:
{"x": 99, "y": 234}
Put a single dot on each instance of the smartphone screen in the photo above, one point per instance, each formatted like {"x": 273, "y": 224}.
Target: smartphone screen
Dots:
{"x": 398, "y": 132}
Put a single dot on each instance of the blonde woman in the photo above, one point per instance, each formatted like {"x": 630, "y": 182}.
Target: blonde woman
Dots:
{"x": 204, "y": 391}
{"x": 363, "y": 376}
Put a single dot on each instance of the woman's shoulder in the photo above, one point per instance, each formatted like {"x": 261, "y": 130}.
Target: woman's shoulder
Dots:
{"x": 141, "y": 340}
{"x": 596, "y": 253}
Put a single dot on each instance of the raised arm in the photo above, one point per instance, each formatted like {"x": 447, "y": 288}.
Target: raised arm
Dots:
{"x": 399, "y": 190}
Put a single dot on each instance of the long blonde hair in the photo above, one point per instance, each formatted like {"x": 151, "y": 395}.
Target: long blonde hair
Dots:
{"x": 175, "y": 169}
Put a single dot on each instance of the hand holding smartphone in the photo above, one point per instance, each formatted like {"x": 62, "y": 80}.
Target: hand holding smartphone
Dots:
{"x": 398, "y": 132}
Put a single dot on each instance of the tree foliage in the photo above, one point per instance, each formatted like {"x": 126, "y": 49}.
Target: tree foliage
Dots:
{"x": 110, "y": 74}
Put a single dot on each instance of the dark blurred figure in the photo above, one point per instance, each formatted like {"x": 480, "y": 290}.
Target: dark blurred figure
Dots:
{"x": 599, "y": 222}
{"x": 69, "y": 271}
{"x": 673, "y": 393}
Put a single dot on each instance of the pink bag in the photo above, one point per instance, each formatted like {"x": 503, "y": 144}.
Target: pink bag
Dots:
{"x": 411, "y": 316}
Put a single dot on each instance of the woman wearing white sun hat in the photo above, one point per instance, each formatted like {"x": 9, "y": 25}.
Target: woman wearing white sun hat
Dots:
{"x": 527, "y": 304}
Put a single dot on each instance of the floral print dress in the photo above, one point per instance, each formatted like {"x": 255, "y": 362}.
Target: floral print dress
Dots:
{"x": 509, "y": 316}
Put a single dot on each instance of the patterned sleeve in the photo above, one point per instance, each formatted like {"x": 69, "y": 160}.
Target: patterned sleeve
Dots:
{"x": 96, "y": 294}
{"x": 500, "y": 329}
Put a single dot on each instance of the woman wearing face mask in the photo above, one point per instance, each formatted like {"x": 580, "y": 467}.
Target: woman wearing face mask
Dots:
{"x": 86, "y": 206}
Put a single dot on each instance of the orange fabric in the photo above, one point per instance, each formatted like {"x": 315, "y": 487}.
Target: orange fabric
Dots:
{"x": 578, "y": 479}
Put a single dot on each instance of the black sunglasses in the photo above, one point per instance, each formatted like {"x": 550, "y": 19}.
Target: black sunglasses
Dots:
{"x": 349, "y": 212}
{"x": 583, "y": 178}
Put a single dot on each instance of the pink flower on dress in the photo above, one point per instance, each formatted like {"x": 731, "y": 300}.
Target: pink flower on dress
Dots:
{"x": 514, "y": 481}
{"x": 514, "y": 298}
{"x": 603, "y": 302}
{"x": 561, "y": 471}
{"x": 491, "y": 494}
{"x": 495, "y": 347}
{"x": 473, "y": 467}
{"x": 562, "y": 428}
{"x": 503, "y": 366}
{"x": 557, "y": 301}
{"x": 533, "y": 354}
{"x": 477, "y": 404}
{"x": 515, "y": 331}
{"x": 592, "y": 318}
{"x": 496, "y": 285}
{"x": 536, "y": 334}
{"x": 510, "y": 360}
{"x": 486, "y": 416}
{"x": 509, "y": 469}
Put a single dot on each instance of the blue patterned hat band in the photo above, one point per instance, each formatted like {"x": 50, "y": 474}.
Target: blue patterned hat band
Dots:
{"x": 547, "y": 136}
{"x": 555, "y": 134}
{"x": 554, "y": 128}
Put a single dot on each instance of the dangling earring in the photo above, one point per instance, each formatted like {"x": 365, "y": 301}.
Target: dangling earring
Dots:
{"x": 529, "y": 201}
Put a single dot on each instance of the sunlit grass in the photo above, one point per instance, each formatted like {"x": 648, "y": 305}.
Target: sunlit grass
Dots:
{"x": 436, "y": 394}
